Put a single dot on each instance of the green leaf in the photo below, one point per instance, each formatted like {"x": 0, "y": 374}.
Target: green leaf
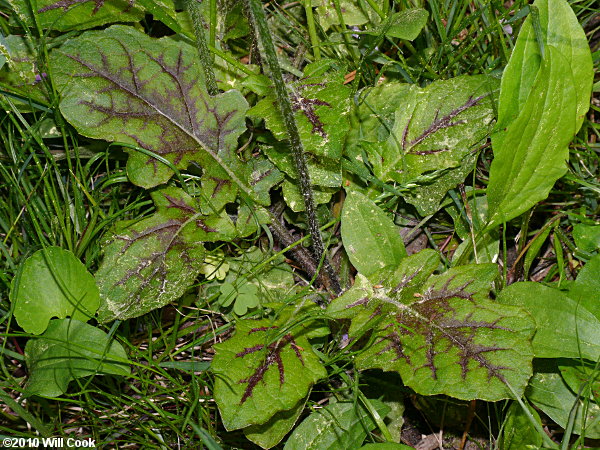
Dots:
{"x": 152, "y": 262}
{"x": 548, "y": 392}
{"x": 352, "y": 13}
{"x": 244, "y": 295}
{"x": 561, "y": 30}
{"x": 68, "y": 350}
{"x": 436, "y": 128}
{"x": 517, "y": 431}
{"x": 67, "y": 15}
{"x": 436, "y": 330}
{"x": 543, "y": 100}
{"x": 53, "y": 283}
{"x": 565, "y": 328}
{"x": 530, "y": 153}
{"x": 581, "y": 377}
{"x": 370, "y": 237}
{"x": 405, "y": 24}
{"x": 337, "y": 426}
{"x": 587, "y": 237}
{"x": 120, "y": 85}
{"x": 586, "y": 289}
{"x": 271, "y": 433}
{"x": 266, "y": 367}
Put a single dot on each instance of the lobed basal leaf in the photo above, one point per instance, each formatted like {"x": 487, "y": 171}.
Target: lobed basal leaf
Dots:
{"x": 434, "y": 138}
{"x": 68, "y": 15}
{"x": 442, "y": 334}
{"x": 149, "y": 263}
{"x": 120, "y": 85}
{"x": 263, "y": 369}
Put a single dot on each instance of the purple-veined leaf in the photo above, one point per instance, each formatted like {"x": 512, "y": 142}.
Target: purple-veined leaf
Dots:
{"x": 21, "y": 72}
{"x": 264, "y": 368}
{"x": 66, "y": 15}
{"x": 120, "y": 85}
{"x": 435, "y": 133}
{"x": 322, "y": 105}
{"x": 269, "y": 434}
{"x": 441, "y": 333}
{"x": 149, "y": 263}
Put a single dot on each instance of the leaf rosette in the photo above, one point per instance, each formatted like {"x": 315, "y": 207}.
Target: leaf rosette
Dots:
{"x": 435, "y": 330}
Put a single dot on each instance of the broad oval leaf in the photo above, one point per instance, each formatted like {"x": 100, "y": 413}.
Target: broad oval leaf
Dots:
{"x": 53, "y": 283}
{"x": 442, "y": 335}
{"x": 263, "y": 369}
{"x": 549, "y": 392}
{"x": 120, "y": 85}
{"x": 566, "y": 329}
{"x": 70, "y": 349}
{"x": 152, "y": 262}
{"x": 342, "y": 425}
{"x": 370, "y": 237}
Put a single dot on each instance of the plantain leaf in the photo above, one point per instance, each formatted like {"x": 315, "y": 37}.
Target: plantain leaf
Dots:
{"x": 530, "y": 153}
{"x": 266, "y": 367}
{"x": 370, "y": 237}
{"x": 67, "y": 15}
{"x": 149, "y": 263}
{"x": 561, "y": 30}
{"x": 120, "y": 85}
{"x": 53, "y": 283}
{"x": 70, "y": 349}
{"x": 436, "y": 330}
{"x": 543, "y": 99}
